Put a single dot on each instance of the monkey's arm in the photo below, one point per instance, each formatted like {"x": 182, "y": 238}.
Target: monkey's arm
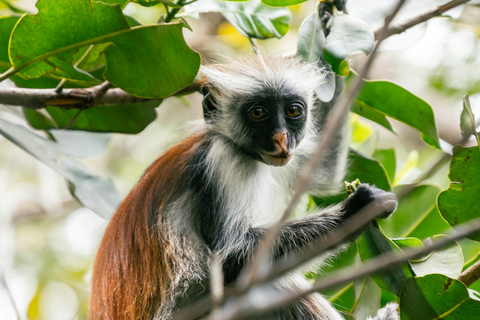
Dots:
{"x": 298, "y": 233}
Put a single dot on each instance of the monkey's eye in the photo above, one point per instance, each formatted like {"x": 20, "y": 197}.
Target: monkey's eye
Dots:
{"x": 258, "y": 113}
{"x": 294, "y": 111}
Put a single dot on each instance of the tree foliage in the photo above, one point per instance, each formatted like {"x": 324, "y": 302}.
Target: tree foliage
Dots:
{"x": 121, "y": 71}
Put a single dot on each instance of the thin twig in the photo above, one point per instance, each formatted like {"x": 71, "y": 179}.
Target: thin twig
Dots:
{"x": 422, "y": 18}
{"x": 470, "y": 275}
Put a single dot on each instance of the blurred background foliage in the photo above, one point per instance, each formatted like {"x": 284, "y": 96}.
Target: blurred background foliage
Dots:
{"x": 48, "y": 240}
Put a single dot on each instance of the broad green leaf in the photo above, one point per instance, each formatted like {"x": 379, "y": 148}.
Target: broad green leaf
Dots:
{"x": 468, "y": 123}
{"x": 408, "y": 243}
{"x": 310, "y": 44}
{"x": 343, "y": 299}
{"x": 364, "y": 168}
{"x": 339, "y": 66}
{"x": 372, "y": 114}
{"x": 344, "y": 259}
{"x": 129, "y": 118}
{"x": 388, "y": 160}
{"x": 151, "y": 61}
{"x": 347, "y": 35}
{"x": 412, "y": 209}
{"x": 398, "y": 103}
{"x": 282, "y": 3}
{"x": 436, "y": 296}
{"x": 6, "y": 27}
{"x": 150, "y": 3}
{"x": 96, "y": 193}
{"x": 159, "y": 61}
{"x": 58, "y": 28}
{"x": 95, "y": 57}
{"x": 122, "y": 3}
{"x": 367, "y": 298}
{"x": 447, "y": 260}
{"x": 459, "y": 203}
{"x": 367, "y": 170}
{"x": 433, "y": 223}
{"x": 251, "y": 18}
{"x": 373, "y": 243}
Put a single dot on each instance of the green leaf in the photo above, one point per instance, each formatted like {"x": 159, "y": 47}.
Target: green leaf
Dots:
{"x": 364, "y": 168}
{"x": 412, "y": 209}
{"x": 367, "y": 170}
{"x": 122, "y": 3}
{"x": 347, "y": 36}
{"x": 467, "y": 120}
{"x": 151, "y": 61}
{"x": 436, "y": 296}
{"x": 129, "y": 118}
{"x": 388, "y": 160}
{"x": 398, "y": 103}
{"x": 367, "y": 298}
{"x": 96, "y": 193}
{"x": 343, "y": 299}
{"x": 6, "y": 27}
{"x": 433, "y": 223}
{"x": 408, "y": 243}
{"x": 310, "y": 44}
{"x": 58, "y": 28}
{"x": 282, "y": 3}
{"x": 447, "y": 260}
{"x": 372, "y": 114}
{"x": 459, "y": 203}
{"x": 151, "y": 3}
{"x": 159, "y": 61}
{"x": 252, "y": 18}
{"x": 95, "y": 57}
{"x": 373, "y": 243}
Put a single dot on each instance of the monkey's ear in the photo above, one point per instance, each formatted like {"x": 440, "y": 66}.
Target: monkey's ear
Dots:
{"x": 208, "y": 104}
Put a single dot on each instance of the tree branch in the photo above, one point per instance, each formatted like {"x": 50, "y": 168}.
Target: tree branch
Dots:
{"x": 247, "y": 309}
{"x": 101, "y": 95}
{"x": 472, "y": 274}
{"x": 422, "y": 18}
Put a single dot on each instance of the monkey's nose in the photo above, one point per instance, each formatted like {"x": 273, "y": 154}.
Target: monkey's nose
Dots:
{"x": 280, "y": 138}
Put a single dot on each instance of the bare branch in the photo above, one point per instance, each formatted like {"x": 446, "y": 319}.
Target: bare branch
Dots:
{"x": 422, "y": 18}
{"x": 101, "y": 95}
{"x": 471, "y": 275}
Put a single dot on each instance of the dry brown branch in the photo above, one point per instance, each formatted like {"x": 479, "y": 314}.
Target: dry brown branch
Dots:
{"x": 422, "y": 18}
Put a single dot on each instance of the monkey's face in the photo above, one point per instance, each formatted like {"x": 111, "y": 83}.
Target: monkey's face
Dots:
{"x": 273, "y": 126}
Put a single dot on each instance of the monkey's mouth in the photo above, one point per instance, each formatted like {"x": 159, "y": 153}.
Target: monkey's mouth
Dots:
{"x": 277, "y": 159}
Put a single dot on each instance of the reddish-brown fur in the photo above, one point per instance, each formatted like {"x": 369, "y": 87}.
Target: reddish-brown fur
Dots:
{"x": 133, "y": 266}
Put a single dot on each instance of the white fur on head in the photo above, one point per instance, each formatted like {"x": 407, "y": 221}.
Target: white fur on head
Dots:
{"x": 236, "y": 80}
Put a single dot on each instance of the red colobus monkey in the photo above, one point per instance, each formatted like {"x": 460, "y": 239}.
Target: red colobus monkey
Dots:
{"x": 219, "y": 189}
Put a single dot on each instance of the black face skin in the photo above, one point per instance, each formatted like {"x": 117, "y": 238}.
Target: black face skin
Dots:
{"x": 274, "y": 125}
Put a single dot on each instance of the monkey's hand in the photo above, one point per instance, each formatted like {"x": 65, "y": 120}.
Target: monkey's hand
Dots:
{"x": 366, "y": 194}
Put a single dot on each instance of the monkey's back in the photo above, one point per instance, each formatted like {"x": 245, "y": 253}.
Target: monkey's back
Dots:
{"x": 141, "y": 265}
